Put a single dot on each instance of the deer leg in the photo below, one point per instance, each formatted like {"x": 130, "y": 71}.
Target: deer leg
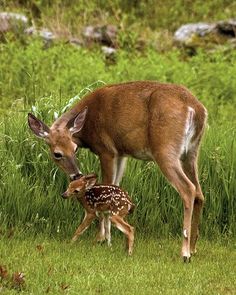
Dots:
{"x": 173, "y": 171}
{"x": 83, "y": 226}
{"x": 127, "y": 229}
{"x": 109, "y": 166}
{"x": 121, "y": 164}
{"x": 189, "y": 164}
{"x": 100, "y": 237}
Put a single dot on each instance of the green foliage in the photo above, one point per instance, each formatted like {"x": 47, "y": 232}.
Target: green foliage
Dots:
{"x": 155, "y": 14}
{"x": 30, "y": 72}
{"x": 44, "y": 80}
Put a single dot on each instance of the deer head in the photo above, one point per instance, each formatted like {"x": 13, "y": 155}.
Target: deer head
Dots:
{"x": 61, "y": 141}
{"x": 79, "y": 186}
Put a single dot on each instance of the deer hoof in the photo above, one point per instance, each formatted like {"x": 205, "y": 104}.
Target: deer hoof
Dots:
{"x": 193, "y": 252}
{"x": 99, "y": 242}
{"x": 186, "y": 259}
{"x": 130, "y": 252}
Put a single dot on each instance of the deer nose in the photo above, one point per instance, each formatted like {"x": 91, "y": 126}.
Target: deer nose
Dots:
{"x": 75, "y": 176}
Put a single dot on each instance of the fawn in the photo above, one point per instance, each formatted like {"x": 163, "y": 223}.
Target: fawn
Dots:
{"x": 108, "y": 202}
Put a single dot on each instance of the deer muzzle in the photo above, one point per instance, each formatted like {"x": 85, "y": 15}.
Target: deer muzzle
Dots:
{"x": 65, "y": 195}
{"x": 75, "y": 176}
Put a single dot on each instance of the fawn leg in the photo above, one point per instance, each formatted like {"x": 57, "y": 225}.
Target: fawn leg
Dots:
{"x": 127, "y": 229}
{"x": 83, "y": 226}
{"x": 109, "y": 167}
{"x": 108, "y": 230}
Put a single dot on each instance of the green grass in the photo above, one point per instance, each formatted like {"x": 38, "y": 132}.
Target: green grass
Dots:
{"x": 36, "y": 222}
{"x": 129, "y": 15}
{"x": 31, "y": 186}
{"x": 29, "y": 72}
{"x": 51, "y": 265}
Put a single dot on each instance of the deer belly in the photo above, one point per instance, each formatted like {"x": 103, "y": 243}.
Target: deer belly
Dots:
{"x": 102, "y": 208}
{"x": 144, "y": 154}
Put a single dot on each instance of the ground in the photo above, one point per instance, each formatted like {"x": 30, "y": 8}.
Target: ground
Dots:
{"x": 54, "y": 266}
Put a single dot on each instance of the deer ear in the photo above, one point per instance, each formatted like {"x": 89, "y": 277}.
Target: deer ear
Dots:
{"x": 37, "y": 126}
{"x": 92, "y": 175}
{"x": 79, "y": 121}
{"x": 90, "y": 181}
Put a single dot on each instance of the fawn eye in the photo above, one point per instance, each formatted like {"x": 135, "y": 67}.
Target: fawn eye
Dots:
{"x": 76, "y": 190}
{"x": 57, "y": 156}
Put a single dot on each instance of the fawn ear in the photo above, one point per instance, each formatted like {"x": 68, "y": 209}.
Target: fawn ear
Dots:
{"x": 79, "y": 121}
{"x": 91, "y": 180}
{"x": 37, "y": 126}
{"x": 92, "y": 175}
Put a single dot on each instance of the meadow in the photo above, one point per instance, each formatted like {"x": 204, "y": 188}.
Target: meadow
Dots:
{"x": 36, "y": 223}
{"x": 52, "y": 266}
{"x": 37, "y": 183}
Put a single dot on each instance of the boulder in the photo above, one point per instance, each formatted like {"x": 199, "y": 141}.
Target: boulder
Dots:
{"x": 12, "y": 22}
{"x": 205, "y": 34}
{"x": 227, "y": 28}
{"x": 109, "y": 54}
{"x": 47, "y": 36}
{"x": 105, "y": 35}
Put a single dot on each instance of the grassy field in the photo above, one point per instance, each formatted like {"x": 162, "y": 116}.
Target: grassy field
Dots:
{"x": 38, "y": 184}
{"x": 55, "y": 267}
{"x": 36, "y": 223}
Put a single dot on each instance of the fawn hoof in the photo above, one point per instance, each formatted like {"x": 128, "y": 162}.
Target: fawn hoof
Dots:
{"x": 130, "y": 252}
{"x": 187, "y": 259}
{"x": 73, "y": 240}
{"x": 100, "y": 241}
{"x": 193, "y": 252}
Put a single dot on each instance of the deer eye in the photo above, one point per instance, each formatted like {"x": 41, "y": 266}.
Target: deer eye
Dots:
{"x": 76, "y": 190}
{"x": 57, "y": 155}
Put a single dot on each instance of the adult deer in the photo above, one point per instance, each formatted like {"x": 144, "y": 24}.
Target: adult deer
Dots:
{"x": 147, "y": 120}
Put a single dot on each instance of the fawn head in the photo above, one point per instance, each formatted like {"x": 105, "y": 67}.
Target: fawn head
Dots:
{"x": 79, "y": 186}
{"x": 61, "y": 141}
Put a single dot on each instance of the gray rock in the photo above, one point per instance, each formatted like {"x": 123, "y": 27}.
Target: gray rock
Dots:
{"x": 227, "y": 28}
{"x": 108, "y": 51}
{"x": 186, "y": 32}
{"x": 203, "y": 34}
{"x": 105, "y": 35}
{"x": 10, "y": 21}
{"x": 110, "y": 54}
{"x": 47, "y": 35}
{"x": 44, "y": 33}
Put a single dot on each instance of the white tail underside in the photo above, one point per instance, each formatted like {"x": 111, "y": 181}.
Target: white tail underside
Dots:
{"x": 188, "y": 132}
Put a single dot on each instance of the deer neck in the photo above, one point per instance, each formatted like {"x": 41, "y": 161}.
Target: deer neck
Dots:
{"x": 84, "y": 202}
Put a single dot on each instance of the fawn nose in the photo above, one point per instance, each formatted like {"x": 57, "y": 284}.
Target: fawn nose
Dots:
{"x": 64, "y": 195}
